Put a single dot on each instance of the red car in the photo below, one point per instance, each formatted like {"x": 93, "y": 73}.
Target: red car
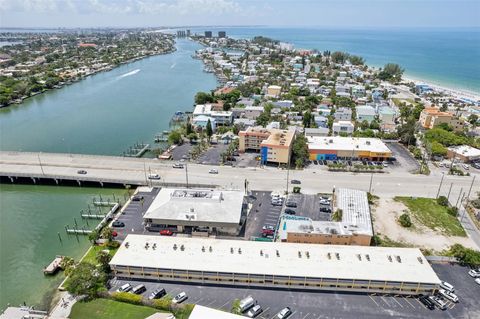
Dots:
{"x": 267, "y": 231}
{"x": 166, "y": 232}
{"x": 114, "y": 234}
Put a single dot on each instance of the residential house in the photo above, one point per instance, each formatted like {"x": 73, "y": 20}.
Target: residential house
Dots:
{"x": 320, "y": 131}
{"x": 343, "y": 114}
{"x": 274, "y": 90}
{"x": 365, "y": 113}
{"x": 344, "y": 127}
{"x": 321, "y": 121}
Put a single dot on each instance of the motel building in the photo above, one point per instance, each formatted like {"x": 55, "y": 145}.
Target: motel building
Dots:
{"x": 274, "y": 265}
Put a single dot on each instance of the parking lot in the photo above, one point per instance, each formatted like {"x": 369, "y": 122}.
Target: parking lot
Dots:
{"x": 330, "y": 304}
{"x": 261, "y": 213}
{"x": 309, "y": 206}
{"x": 212, "y": 156}
{"x": 132, "y": 215}
{"x": 404, "y": 160}
{"x": 182, "y": 151}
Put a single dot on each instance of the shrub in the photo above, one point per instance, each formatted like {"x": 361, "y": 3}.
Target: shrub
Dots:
{"x": 453, "y": 211}
{"x": 337, "y": 215}
{"x": 127, "y": 297}
{"x": 162, "y": 303}
{"x": 442, "y": 201}
{"x": 296, "y": 189}
{"x": 405, "y": 220}
{"x": 466, "y": 256}
{"x": 236, "y": 307}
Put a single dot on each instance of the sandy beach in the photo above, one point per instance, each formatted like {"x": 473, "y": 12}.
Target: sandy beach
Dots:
{"x": 459, "y": 93}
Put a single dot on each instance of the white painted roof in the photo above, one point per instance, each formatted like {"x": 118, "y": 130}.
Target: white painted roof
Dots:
{"x": 347, "y": 144}
{"x": 201, "y": 312}
{"x": 466, "y": 151}
{"x": 204, "y": 205}
{"x": 252, "y": 257}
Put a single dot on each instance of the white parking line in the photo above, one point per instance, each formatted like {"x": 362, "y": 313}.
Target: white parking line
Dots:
{"x": 408, "y": 302}
{"x": 210, "y": 303}
{"x": 374, "y": 301}
{"x": 397, "y": 301}
{"x": 308, "y": 314}
{"x": 226, "y": 303}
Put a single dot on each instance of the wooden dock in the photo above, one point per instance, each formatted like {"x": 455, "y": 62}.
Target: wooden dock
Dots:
{"x": 54, "y": 266}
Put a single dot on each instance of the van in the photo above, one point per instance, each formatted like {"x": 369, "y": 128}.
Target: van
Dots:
{"x": 246, "y": 303}
{"x": 439, "y": 302}
{"x": 448, "y": 295}
{"x": 139, "y": 289}
{"x": 445, "y": 285}
{"x": 125, "y": 288}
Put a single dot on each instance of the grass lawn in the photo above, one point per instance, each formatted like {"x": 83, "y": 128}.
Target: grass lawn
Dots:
{"x": 433, "y": 215}
{"x": 109, "y": 309}
{"x": 90, "y": 257}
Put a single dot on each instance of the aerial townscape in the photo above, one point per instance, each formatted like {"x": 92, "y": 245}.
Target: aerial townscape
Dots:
{"x": 226, "y": 172}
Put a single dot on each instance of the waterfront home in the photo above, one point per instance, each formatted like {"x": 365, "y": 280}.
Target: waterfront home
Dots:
{"x": 431, "y": 117}
{"x": 343, "y": 114}
{"x": 244, "y": 123}
{"x": 200, "y": 122}
{"x": 344, "y": 127}
{"x": 365, "y": 113}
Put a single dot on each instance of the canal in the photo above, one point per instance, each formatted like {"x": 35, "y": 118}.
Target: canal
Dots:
{"x": 103, "y": 114}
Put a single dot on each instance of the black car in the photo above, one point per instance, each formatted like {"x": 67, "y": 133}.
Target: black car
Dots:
{"x": 295, "y": 181}
{"x": 325, "y": 210}
{"x": 157, "y": 293}
{"x": 315, "y": 162}
{"x": 325, "y": 162}
{"x": 291, "y": 204}
{"x": 82, "y": 171}
{"x": 118, "y": 224}
{"x": 427, "y": 302}
{"x": 289, "y": 211}
{"x": 137, "y": 198}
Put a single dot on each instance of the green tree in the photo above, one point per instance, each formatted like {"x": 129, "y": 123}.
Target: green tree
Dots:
{"x": 203, "y": 97}
{"x": 188, "y": 128}
{"x": 466, "y": 256}
{"x": 339, "y": 57}
{"x": 405, "y": 220}
{"x": 300, "y": 151}
{"x": 438, "y": 149}
{"x": 103, "y": 258}
{"x": 107, "y": 233}
{"x": 442, "y": 201}
{"x": 174, "y": 137}
{"x": 391, "y": 72}
{"x": 473, "y": 119}
{"x": 93, "y": 236}
{"x": 307, "y": 119}
{"x": 364, "y": 125}
{"x": 209, "y": 129}
{"x": 356, "y": 60}
{"x": 85, "y": 279}
{"x": 192, "y": 137}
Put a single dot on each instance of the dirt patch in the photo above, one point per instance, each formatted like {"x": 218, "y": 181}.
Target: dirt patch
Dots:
{"x": 385, "y": 215}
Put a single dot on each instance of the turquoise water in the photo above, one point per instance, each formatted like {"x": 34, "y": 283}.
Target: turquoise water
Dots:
{"x": 108, "y": 112}
{"x": 30, "y": 219}
{"x": 449, "y": 57}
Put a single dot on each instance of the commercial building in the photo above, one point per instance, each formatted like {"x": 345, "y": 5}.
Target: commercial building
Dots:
{"x": 355, "y": 228}
{"x": 275, "y": 145}
{"x": 197, "y": 211}
{"x": 431, "y": 117}
{"x": 464, "y": 153}
{"x": 337, "y": 147}
{"x": 275, "y": 265}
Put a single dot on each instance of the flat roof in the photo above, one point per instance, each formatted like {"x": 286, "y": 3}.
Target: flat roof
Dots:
{"x": 203, "y": 205}
{"x": 279, "y": 137}
{"x": 201, "y": 312}
{"x": 252, "y": 257}
{"x": 465, "y": 150}
{"x": 347, "y": 144}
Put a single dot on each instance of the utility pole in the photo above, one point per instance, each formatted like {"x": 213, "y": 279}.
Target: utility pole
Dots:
{"x": 440, "y": 186}
{"x": 371, "y": 180}
{"x": 449, "y": 190}
{"x": 186, "y": 173}
{"x": 459, "y": 195}
{"x": 471, "y": 185}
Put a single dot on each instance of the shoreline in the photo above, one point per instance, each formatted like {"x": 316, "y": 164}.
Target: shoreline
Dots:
{"x": 458, "y": 93}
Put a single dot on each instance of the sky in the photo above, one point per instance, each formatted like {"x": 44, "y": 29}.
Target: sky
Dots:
{"x": 157, "y": 13}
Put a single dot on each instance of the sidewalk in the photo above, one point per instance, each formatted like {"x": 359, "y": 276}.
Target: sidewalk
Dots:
{"x": 469, "y": 226}
{"x": 63, "y": 307}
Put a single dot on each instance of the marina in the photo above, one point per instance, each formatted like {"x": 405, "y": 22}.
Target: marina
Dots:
{"x": 137, "y": 150}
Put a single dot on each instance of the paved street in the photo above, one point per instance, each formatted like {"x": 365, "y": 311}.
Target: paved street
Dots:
{"x": 328, "y": 304}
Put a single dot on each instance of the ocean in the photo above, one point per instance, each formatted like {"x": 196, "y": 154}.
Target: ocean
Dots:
{"x": 445, "y": 57}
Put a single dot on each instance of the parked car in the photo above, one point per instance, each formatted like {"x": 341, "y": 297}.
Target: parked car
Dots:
{"x": 324, "y": 201}
{"x": 474, "y": 273}
{"x": 213, "y": 171}
{"x": 177, "y": 165}
{"x": 166, "y": 232}
{"x": 246, "y": 303}
{"x": 137, "y": 198}
{"x": 82, "y": 172}
{"x": 295, "y": 181}
{"x": 268, "y": 227}
{"x": 118, "y": 224}
{"x": 290, "y": 204}
{"x": 325, "y": 210}
{"x": 180, "y": 297}
{"x": 289, "y": 211}
{"x": 445, "y": 285}
{"x": 157, "y": 293}
{"x": 125, "y": 288}
{"x": 255, "y": 311}
{"x": 477, "y": 281}
{"x": 284, "y": 313}
{"x": 439, "y": 302}
{"x": 139, "y": 289}
{"x": 277, "y": 202}
{"x": 315, "y": 162}
{"x": 267, "y": 231}
{"x": 427, "y": 302}
{"x": 448, "y": 295}
{"x": 153, "y": 176}
{"x": 465, "y": 166}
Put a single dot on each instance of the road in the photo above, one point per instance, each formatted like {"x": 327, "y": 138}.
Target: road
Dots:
{"x": 266, "y": 179}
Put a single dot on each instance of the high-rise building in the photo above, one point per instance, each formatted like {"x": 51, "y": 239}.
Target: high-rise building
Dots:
{"x": 188, "y": 33}
{"x": 208, "y": 34}
{"x": 222, "y": 34}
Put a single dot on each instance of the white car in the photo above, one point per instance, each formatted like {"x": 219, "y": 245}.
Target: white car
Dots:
{"x": 153, "y": 176}
{"x": 284, "y": 313}
{"x": 465, "y": 166}
{"x": 448, "y": 295}
{"x": 255, "y": 311}
{"x": 180, "y": 297}
{"x": 213, "y": 171}
{"x": 477, "y": 281}
{"x": 445, "y": 285}
{"x": 474, "y": 273}
{"x": 125, "y": 288}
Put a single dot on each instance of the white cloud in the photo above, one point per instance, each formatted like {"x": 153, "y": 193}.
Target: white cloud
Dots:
{"x": 152, "y": 7}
